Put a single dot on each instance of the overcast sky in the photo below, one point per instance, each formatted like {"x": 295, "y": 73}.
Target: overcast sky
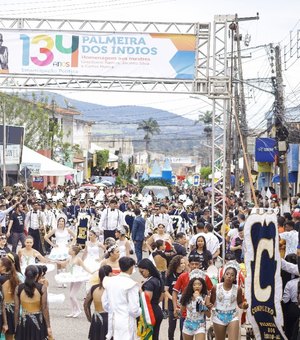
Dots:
{"x": 277, "y": 18}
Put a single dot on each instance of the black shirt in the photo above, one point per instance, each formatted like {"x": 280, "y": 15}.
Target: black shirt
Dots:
{"x": 153, "y": 284}
{"x": 170, "y": 282}
{"x": 204, "y": 257}
{"x": 180, "y": 249}
{"x": 18, "y": 222}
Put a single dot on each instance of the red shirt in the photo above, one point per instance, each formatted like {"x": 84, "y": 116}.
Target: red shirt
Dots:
{"x": 184, "y": 280}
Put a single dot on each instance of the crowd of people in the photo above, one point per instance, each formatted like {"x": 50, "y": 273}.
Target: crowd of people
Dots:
{"x": 98, "y": 236}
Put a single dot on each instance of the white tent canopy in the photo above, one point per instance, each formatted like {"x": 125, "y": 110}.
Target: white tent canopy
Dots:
{"x": 112, "y": 157}
{"x": 48, "y": 166}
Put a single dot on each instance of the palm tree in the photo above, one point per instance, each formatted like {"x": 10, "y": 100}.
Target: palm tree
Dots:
{"x": 150, "y": 128}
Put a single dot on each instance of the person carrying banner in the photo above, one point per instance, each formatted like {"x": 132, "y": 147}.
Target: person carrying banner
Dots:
{"x": 226, "y": 297}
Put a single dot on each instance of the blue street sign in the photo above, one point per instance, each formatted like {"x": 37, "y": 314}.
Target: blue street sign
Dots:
{"x": 173, "y": 179}
{"x": 196, "y": 180}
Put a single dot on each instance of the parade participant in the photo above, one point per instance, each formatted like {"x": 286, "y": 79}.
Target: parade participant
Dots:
{"x": 9, "y": 281}
{"x": 16, "y": 227}
{"x": 113, "y": 259}
{"x": 121, "y": 300}
{"x": 28, "y": 255}
{"x": 198, "y": 232}
{"x": 111, "y": 219}
{"x": 50, "y": 223}
{"x": 160, "y": 235}
{"x": 154, "y": 287}
{"x": 195, "y": 301}
{"x": 290, "y": 235}
{"x": 185, "y": 222}
{"x": 175, "y": 268}
{"x": 129, "y": 215}
{"x": 181, "y": 284}
{"x": 180, "y": 244}
{"x": 236, "y": 245}
{"x": 201, "y": 251}
{"x": 226, "y": 297}
{"x": 4, "y": 212}
{"x": 33, "y": 321}
{"x": 99, "y": 319}
{"x": 212, "y": 241}
{"x": 63, "y": 235}
{"x": 83, "y": 223}
{"x": 76, "y": 274}
{"x": 91, "y": 254}
{"x": 138, "y": 234}
{"x": 4, "y": 250}
{"x": 14, "y": 258}
{"x": 122, "y": 242}
{"x": 35, "y": 224}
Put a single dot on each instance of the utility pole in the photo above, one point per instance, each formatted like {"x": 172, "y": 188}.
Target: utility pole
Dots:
{"x": 243, "y": 118}
{"x": 281, "y": 134}
{"x": 4, "y": 149}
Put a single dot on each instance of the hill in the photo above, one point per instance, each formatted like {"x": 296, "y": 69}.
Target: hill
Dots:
{"x": 178, "y": 134}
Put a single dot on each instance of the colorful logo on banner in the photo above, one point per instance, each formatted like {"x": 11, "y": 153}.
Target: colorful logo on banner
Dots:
{"x": 263, "y": 282}
{"x": 121, "y": 54}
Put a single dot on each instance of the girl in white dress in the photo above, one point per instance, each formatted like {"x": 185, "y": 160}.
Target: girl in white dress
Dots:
{"x": 76, "y": 274}
{"x": 63, "y": 235}
{"x": 28, "y": 256}
{"x": 122, "y": 242}
{"x": 91, "y": 255}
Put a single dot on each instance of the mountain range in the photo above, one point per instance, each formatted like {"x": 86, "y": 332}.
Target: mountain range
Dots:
{"x": 178, "y": 136}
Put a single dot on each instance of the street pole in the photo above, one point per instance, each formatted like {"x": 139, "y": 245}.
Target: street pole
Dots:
{"x": 4, "y": 150}
{"x": 243, "y": 118}
{"x": 281, "y": 134}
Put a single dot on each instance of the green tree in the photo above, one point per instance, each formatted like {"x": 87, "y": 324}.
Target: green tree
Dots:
{"x": 30, "y": 114}
{"x": 205, "y": 172}
{"x": 102, "y": 157}
{"x": 150, "y": 127}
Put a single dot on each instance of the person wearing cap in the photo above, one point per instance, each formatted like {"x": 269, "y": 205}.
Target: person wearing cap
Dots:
{"x": 296, "y": 219}
{"x": 111, "y": 219}
{"x": 83, "y": 223}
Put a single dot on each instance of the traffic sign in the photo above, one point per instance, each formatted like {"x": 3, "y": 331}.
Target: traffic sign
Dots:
{"x": 196, "y": 180}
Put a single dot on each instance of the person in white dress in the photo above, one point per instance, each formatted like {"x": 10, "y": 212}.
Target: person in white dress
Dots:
{"x": 28, "y": 256}
{"x": 60, "y": 248}
{"x": 92, "y": 254}
{"x": 76, "y": 273}
{"x": 122, "y": 242}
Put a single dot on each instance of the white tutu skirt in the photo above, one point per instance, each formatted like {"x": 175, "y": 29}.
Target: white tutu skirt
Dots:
{"x": 78, "y": 276}
{"x": 59, "y": 253}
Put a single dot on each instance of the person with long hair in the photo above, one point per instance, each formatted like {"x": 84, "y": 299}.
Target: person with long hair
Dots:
{"x": 33, "y": 323}
{"x": 76, "y": 274}
{"x": 9, "y": 281}
{"x": 175, "y": 268}
{"x": 28, "y": 255}
{"x": 201, "y": 251}
{"x": 14, "y": 258}
{"x": 99, "y": 319}
{"x": 154, "y": 287}
{"x": 226, "y": 298}
{"x": 195, "y": 300}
